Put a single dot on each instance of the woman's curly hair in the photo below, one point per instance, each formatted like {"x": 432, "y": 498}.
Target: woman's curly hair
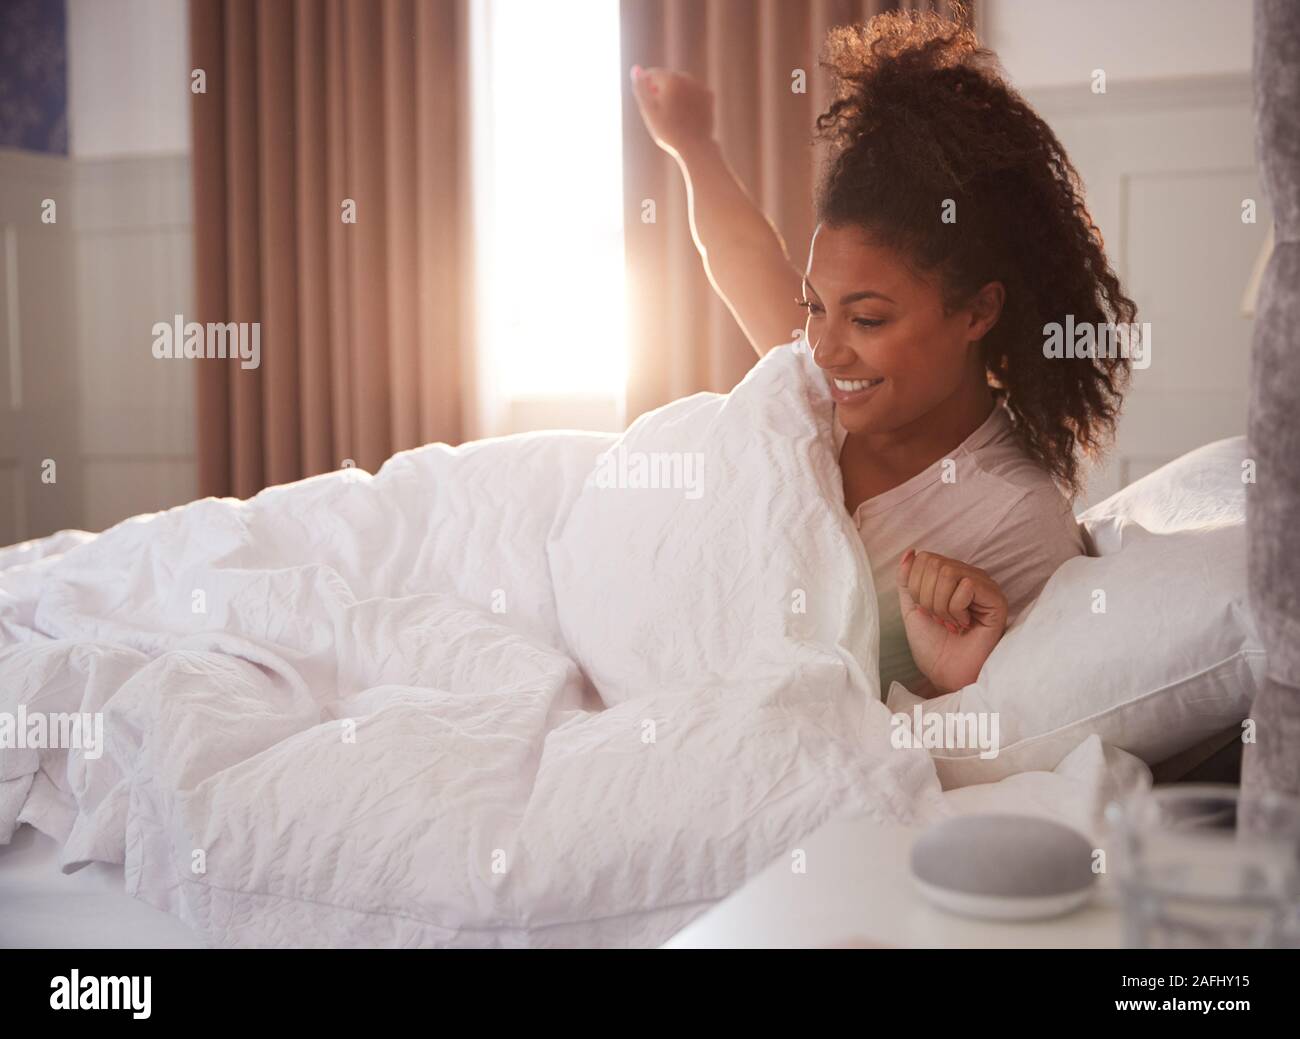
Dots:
{"x": 923, "y": 114}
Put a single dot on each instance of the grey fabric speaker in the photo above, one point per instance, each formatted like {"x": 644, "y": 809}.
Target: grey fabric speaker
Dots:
{"x": 1003, "y": 867}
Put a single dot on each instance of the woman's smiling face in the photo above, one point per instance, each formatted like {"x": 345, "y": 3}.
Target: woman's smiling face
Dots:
{"x": 879, "y": 331}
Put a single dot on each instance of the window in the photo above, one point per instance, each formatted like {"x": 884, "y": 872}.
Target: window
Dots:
{"x": 548, "y": 213}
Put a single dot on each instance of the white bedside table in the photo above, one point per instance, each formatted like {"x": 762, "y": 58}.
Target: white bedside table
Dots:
{"x": 858, "y": 892}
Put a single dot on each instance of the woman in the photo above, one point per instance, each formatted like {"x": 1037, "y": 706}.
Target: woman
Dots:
{"x": 951, "y": 232}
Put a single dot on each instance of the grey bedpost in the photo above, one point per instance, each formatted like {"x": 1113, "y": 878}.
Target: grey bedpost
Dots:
{"x": 1273, "y": 502}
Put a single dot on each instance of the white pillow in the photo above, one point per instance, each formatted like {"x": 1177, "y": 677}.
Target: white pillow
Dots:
{"x": 1172, "y": 660}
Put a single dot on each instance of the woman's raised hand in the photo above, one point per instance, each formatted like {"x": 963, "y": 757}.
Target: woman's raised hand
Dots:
{"x": 677, "y": 108}
{"x": 743, "y": 254}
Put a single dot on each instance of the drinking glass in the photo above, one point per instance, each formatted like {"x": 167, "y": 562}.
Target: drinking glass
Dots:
{"x": 1193, "y": 872}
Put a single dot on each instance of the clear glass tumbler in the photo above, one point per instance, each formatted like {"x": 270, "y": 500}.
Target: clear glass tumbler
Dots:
{"x": 1192, "y": 873}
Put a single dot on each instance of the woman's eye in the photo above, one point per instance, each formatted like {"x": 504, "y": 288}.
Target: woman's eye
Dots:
{"x": 868, "y": 322}
{"x": 810, "y": 306}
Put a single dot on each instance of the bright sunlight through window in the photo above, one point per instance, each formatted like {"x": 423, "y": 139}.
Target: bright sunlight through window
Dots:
{"x": 548, "y": 180}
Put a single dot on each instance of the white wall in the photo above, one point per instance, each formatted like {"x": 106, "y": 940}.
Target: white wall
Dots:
{"x": 128, "y": 77}
{"x": 1055, "y": 42}
{"x": 129, "y": 139}
{"x": 1166, "y": 156}
{"x": 79, "y": 386}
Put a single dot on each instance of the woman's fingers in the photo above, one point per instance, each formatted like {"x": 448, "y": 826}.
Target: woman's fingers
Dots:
{"x": 916, "y": 580}
{"x": 647, "y": 88}
{"x": 989, "y": 606}
{"x": 962, "y": 597}
{"x": 641, "y": 84}
{"x": 905, "y": 567}
{"x": 945, "y": 587}
{"x": 650, "y": 80}
{"x": 924, "y": 582}
{"x": 945, "y": 590}
{"x": 949, "y": 592}
{"x": 676, "y": 107}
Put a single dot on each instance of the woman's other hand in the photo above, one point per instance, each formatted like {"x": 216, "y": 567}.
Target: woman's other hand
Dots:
{"x": 954, "y": 615}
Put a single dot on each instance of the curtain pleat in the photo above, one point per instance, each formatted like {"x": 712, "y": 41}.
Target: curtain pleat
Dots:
{"x": 311, "y": 106}
{"x": 340, "y": 256}
{"x": 277, "y": 198}
{"x": 445, "y": 254}
{"x": 243, "y": 208}
{"x": 399, "y": 118}
{"x": 363, "y": 91}
{"x": 212, "y": 402}
{"x": 682, "y": 338}
{"x": 315, "y": 215}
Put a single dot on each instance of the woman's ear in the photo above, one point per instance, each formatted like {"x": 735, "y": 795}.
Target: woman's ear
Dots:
{"x": 985, "y": 310}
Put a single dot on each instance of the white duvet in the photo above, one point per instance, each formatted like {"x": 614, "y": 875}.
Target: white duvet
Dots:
{"x": 492, "y": 695}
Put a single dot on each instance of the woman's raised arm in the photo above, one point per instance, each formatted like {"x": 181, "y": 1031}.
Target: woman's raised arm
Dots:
{"x": 743, "y": 254}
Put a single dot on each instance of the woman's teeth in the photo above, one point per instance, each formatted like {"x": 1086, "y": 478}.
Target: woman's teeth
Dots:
{"x": 853, "y": 385}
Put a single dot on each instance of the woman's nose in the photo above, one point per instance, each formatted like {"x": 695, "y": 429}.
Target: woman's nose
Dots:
{"x": 828, "y": 353}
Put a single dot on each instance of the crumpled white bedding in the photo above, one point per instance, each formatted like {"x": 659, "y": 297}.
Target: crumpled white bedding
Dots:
{"x": 475, "y": 699}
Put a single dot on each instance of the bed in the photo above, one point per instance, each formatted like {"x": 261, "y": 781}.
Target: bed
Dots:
{"x": 513, "y": 695}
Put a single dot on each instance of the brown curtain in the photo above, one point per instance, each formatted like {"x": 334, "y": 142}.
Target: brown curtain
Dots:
{"x": 682, "y": 338}
{"x": 366, "y": 335}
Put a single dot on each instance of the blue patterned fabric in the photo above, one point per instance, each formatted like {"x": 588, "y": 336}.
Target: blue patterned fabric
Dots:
{"x": 34, "y": 75}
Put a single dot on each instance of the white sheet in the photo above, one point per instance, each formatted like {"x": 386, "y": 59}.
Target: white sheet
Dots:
{"x": 43, "y": 908}
{"x": 355, "y": 710}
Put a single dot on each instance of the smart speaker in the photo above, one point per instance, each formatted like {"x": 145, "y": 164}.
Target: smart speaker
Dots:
{"x": 1003, "y": 867}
